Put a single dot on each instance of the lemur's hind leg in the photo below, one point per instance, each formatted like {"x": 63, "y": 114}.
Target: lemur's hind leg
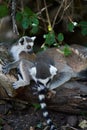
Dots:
{"x": 25, "y": 78}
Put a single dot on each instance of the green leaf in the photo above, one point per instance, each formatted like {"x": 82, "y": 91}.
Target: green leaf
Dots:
{"x": 3, "y": 11}
{"x": 25, "y": 23}
{"x": 36, "y": 106}
{"x": 35, "y": 19}
{"x": 60, "y": 37}
{"x": 27, "y": 11}
{"x": 27, "y": 18}
{"x": 34, "y": 29}
{"x": 66, "y": 50}
{"x": 50, "y": 38}
{"x": 71, "y": 27}
{"x": 19, "y": 17}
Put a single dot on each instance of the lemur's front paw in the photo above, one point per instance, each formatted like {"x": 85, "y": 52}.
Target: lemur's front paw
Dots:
{"x": 20, "y": 83}
{"x": 16, "y": 85}
{"x": 5, "y": 69}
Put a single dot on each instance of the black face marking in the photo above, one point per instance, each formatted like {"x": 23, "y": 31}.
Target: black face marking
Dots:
{"x": 22, "y": 41}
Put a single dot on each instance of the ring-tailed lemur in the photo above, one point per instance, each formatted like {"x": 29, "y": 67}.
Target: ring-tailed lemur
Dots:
{"x": 42, "y": 73}
{"x": 22, "y": 54}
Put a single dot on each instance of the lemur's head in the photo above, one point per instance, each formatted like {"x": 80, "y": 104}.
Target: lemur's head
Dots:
{"x": 43, "y": 73}
{"x": 26, "y": 43}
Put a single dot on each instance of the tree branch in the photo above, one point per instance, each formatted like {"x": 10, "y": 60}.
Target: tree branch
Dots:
{"x": 48, "y": 18}
{"x": 15, "y": 30}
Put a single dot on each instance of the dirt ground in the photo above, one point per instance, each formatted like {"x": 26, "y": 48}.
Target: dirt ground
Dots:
{"x": 32, "y": 119}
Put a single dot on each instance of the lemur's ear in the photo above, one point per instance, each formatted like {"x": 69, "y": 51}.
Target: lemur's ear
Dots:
{"x": 33, "y": 38}
{"x": 21, "y": 41}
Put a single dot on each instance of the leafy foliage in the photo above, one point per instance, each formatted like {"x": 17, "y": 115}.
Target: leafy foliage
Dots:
{"x": 28, "y": 19}
{"x": 50, "y": 38}
{"x": 66, "y": 50}
{"x": 71, "y": 27}
{"x": 82, "y": 25}
{"x": 60, "y": 37}
{"x": 36, "y": 106}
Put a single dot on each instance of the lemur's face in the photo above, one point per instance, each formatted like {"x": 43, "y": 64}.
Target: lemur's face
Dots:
{"x": 26, "y": 43}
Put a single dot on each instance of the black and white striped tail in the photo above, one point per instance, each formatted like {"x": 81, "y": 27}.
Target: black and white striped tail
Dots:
{"x": 41, "y": 95}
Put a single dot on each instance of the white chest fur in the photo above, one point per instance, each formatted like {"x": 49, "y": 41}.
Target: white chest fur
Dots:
{"x": 15, "y": 50}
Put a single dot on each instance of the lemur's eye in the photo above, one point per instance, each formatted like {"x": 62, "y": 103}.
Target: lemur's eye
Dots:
{"x": 28, "y": 47}
{"x": 22, "y": 41}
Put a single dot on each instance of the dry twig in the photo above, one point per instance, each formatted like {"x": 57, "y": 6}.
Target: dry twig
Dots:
{"x": 48, "y": 18}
